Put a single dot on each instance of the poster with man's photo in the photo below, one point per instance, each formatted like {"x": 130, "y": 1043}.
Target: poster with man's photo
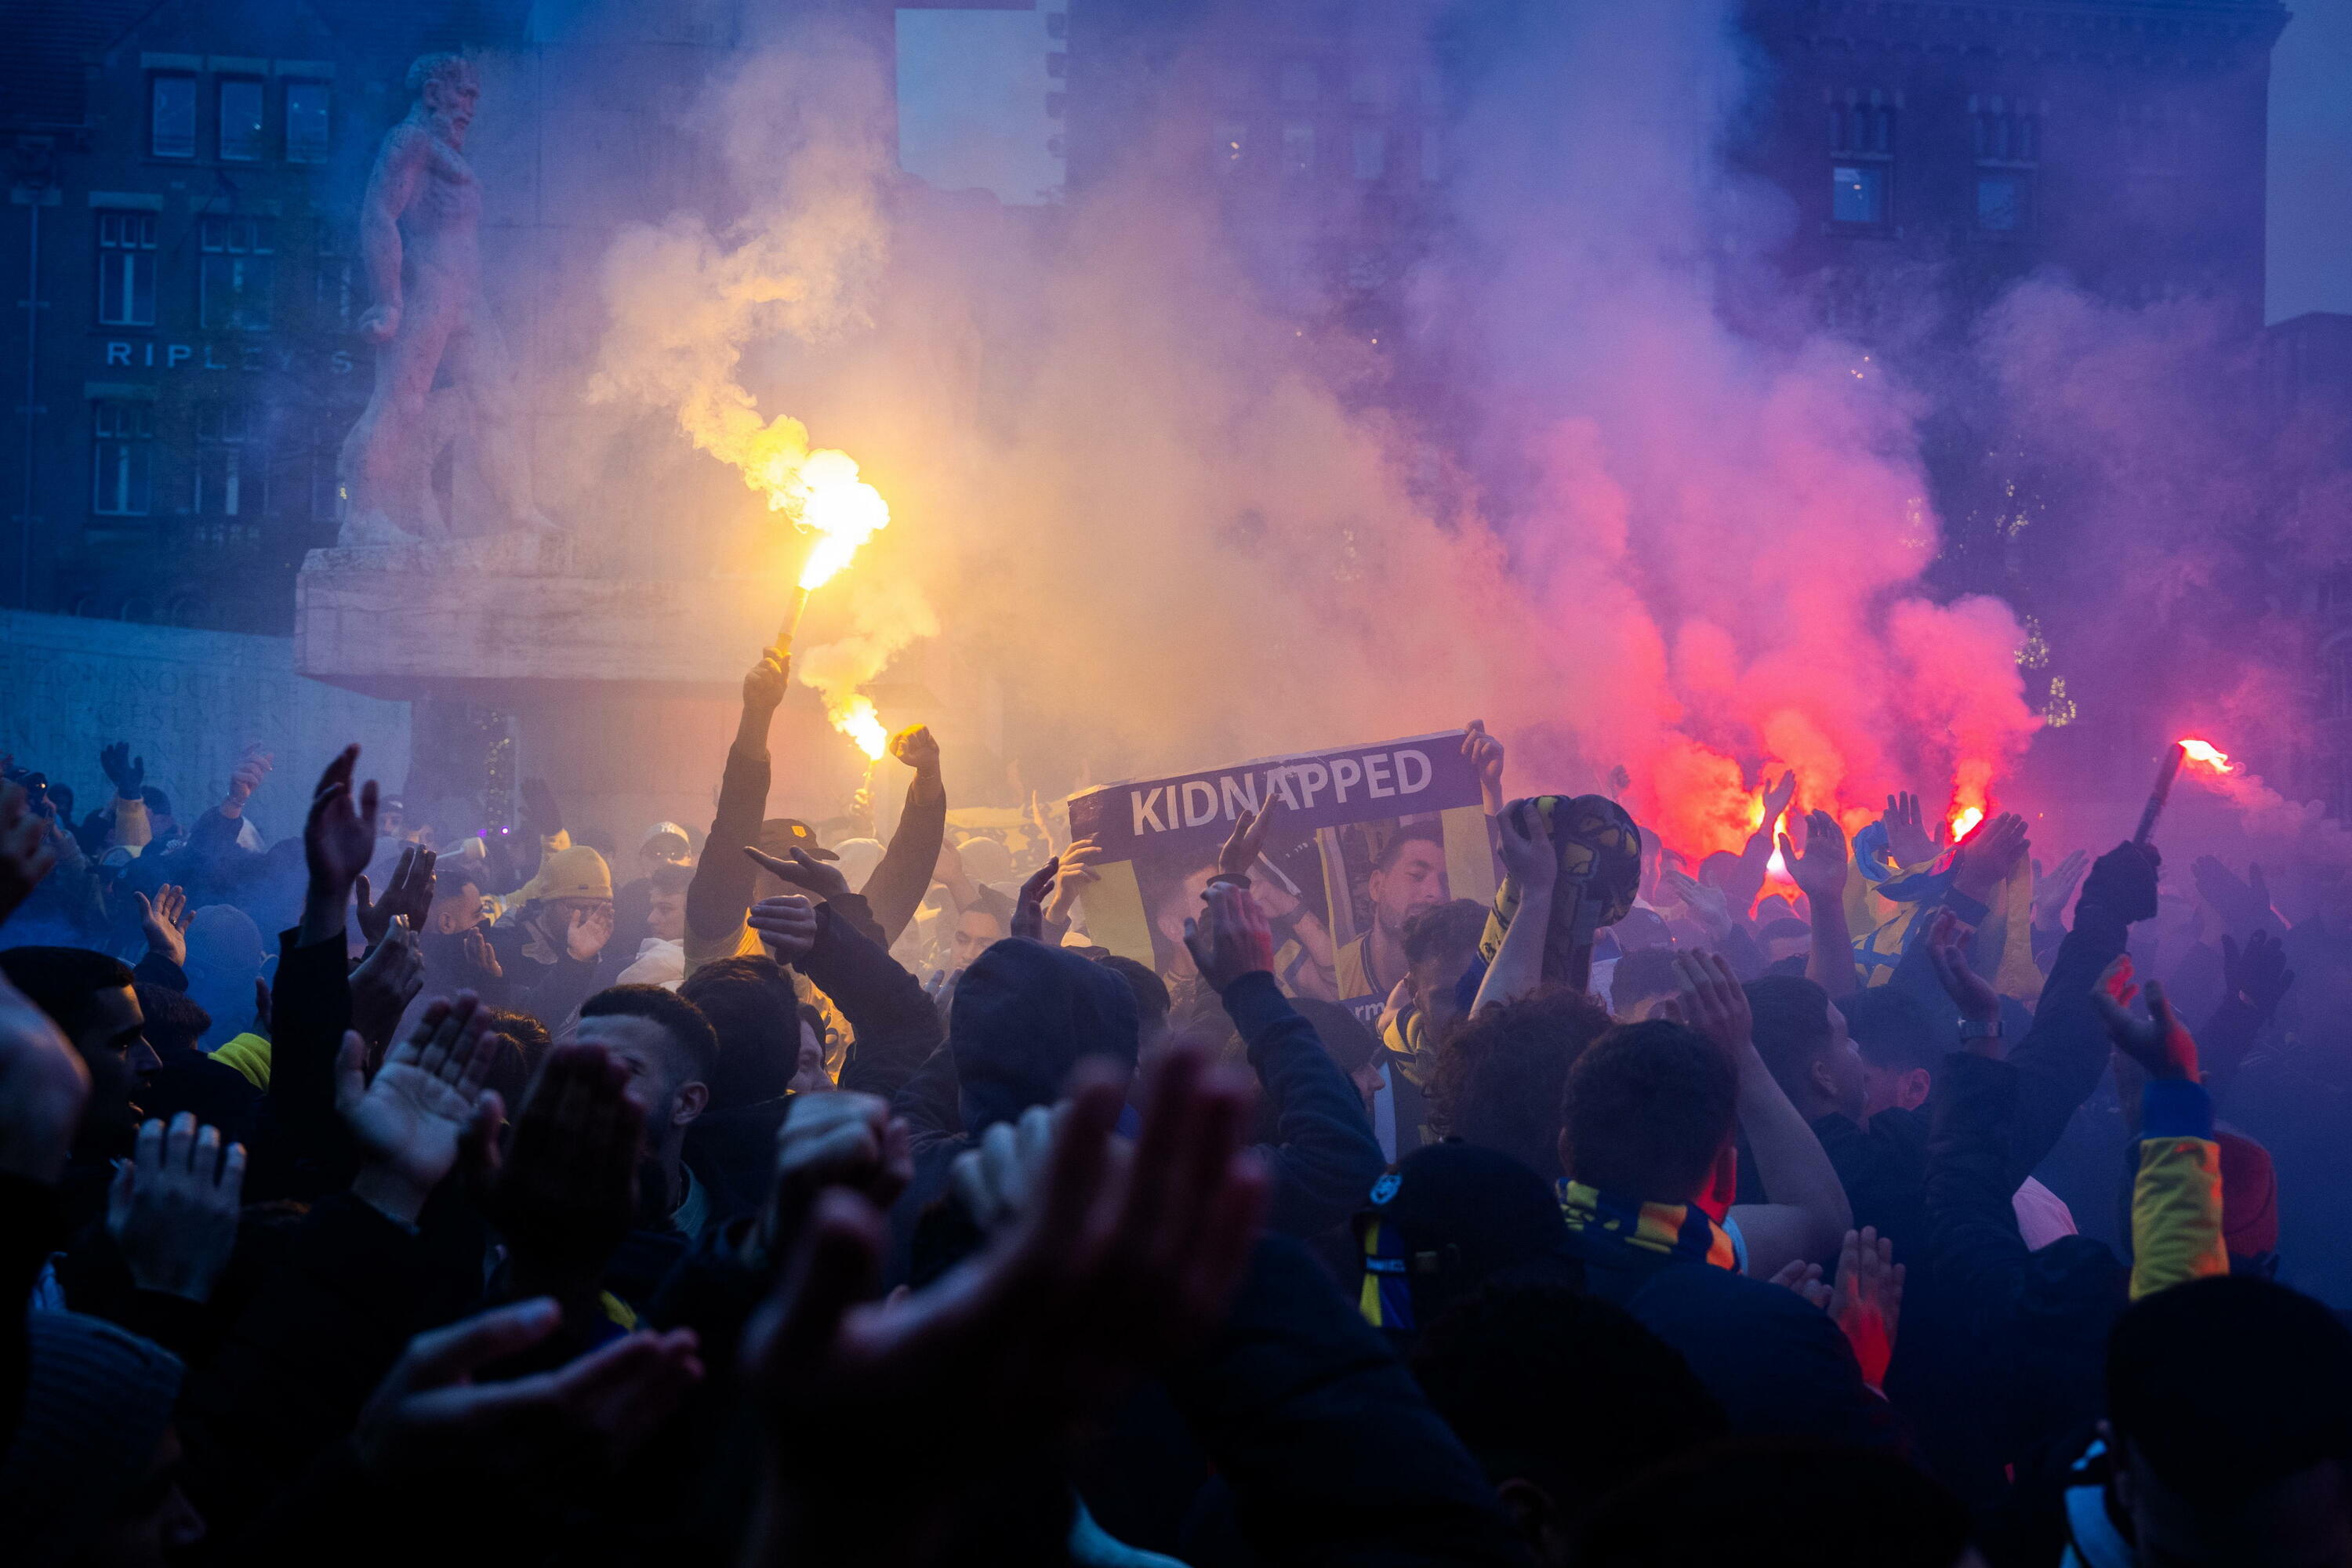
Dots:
{"x": 1363, "y": 839}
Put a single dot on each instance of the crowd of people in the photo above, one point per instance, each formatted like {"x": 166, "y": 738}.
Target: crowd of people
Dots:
{"x": 798, "y": 1197}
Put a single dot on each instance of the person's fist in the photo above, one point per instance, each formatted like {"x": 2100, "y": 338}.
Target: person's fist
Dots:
{"x": 1234, "y": 940}
{"x": 763, "y": 683}
{"x": 916, "y": 747}
{"x": 2123, "y": 881}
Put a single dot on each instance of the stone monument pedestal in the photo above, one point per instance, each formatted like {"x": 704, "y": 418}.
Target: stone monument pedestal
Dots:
{"x": 625, "y": 692}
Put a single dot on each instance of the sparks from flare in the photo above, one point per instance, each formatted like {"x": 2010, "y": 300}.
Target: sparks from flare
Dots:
{"x": 2208, "y": 754}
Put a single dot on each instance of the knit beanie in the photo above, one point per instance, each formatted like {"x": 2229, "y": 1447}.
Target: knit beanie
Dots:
{"x": 98, "y": 1400}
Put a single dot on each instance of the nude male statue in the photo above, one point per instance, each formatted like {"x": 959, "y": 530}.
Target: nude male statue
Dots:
{"x": 420, "y": 227}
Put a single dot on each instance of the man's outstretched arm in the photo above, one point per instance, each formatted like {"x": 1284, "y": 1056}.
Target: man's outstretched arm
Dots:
{"x": 896, "y": 885}
{"x": 720, "y": 891}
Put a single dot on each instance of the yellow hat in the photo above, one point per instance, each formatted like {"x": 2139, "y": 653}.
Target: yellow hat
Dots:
{"x": 578, "y": 872}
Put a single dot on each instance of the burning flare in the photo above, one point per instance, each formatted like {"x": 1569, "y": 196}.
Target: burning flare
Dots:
{"x": 1965, "y": 820}
{"x": 2205, "y": 751}
{"x": 854, "y": 717}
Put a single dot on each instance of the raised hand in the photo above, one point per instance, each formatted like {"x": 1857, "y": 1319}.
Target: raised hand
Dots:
{"x": 426, "y": 1098}
{"x": 1776, "y": 796}
{"x": 2244, "y": 904}
{"x": 587, "y": 930}
{"x": 409, "y": 897}
{"x": 1868, "y": 1301}
{"x": 44, "y": 1085}
{"x": 385, "y": 982}
{"x": 27, "y": 854}
{"x": 1821, "y": 871}
{"x": 565, "y": 1195}
{"x": 998, "y": 1180}
{"x": 252, "y": 767}
{"x": 172, "y": 1209}
{"x": 914, "y": 747}
{"x": 428, "y": 1422}
{"x": 2052, "y": 892}
{"x": 1122, "y": 1261}
{"x": 162, "y": 921}
{"x": 2122, "y": 882}
{"x": 1709, "y": 998}
{"x": 2159, "y": 1043}
{"x": 820, "y": 879}
{"x": 1907, "y": 835}
{"x": 841, "y": 1140}
{"x": 764, "y": 683}
{"x": 128, "y": 773}
{"x": 1526, "y": 846}
{"x": 1485, "y": 754}
{"x": 340, "y": 835}
{"x": 787, "y": 924}
{"x": 1706, "y": 902}
{"x": 1236, "y": 939}
{"x": 1979, "y": 1003}
{"x": 1029, "y": 910}
{"x": 2256, "y": 976}
{"x": 1077, "y": 871}
{"x": 1989, "y": 854}
{"x": 1244, "y": 844}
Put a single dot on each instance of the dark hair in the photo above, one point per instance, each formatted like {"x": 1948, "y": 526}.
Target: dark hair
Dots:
{"x": 1151, "y": 998}
{"x": 173, "y": 1020}
{"x": 158, "y": 803}
{"x": 1816, "y": 1503}
{"x": 1647, "y": 1109}
{"x": 1784, "y": 925}
{"x": 517, "y": 1062}
{"x": 1410, "y": 833}
{"x": 1893, "y": 1030}
{"x": 2226, "y": 1386}
{"x": 753, "y": 1013}
{"x": 1348, "y": 1040}
{"x": 1645, "y": 973}
{"x": 695, "y": 1046}
{"x": 1563, "y": 1389}
{"x": 1643, "y": 930}
{"x": 671, "y": 877}
{"x": 1792, "y": 1025}
{"x": 1500, "y": 1076}
{"x": 1451, "y": 927}
{"x": 64, "y": 982}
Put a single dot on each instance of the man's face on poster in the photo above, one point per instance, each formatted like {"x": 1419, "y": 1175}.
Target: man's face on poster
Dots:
{"x": 1413, "y": 881}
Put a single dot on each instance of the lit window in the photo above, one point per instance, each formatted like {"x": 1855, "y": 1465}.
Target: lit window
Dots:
{"x": 1299, "y": 82}
{"x": 1232, "y": 140}
{"x": 1858, "y": 192}
{"x": 2006, "y": 136}
{"x": 171, "y": 117}
{"x": 306, "y": 121}
{"x": 231, "y": 477}
{"x": 240, "y": 120}
{"x": 123, "y": 457}
{"x": 1370, "y": 147}
{"x": 126, "y": 268}
{"x": 237, "y": 273}
{"x": 1298, "y": 149}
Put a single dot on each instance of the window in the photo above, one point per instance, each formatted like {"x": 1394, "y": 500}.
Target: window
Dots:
{"x": 1298, "y": 149}
{"x": 240, "y": 120}
{"x": 171, "y": 117}
{"x": 1861, "y": 161}
{"x": 126, "y": 268}
{"x": 1370, "y": 146}
{"x": 1298, "y": 81}
{"x": 2006, "y": 137}
{"x": 331, "y": 282}
{"x": 237, "y": 275}
{"x": 306, "y": 121}
{"x": 1858, "y": 194}
{"x": 123, "y": 457}
{"x": 231, "y": 475}
{"x": 1231, "y": 142}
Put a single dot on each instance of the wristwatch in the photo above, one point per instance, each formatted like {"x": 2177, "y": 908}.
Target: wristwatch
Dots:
{"x": 1973, "y": 1030}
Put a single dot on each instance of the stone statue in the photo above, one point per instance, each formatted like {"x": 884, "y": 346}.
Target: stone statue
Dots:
{"x": 420, "y": 234}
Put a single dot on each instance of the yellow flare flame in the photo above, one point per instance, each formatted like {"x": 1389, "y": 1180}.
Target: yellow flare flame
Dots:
{"x": 1965, "y": 820}
{"x": 2207, "y": 753}
{"x": 825, "y": 495}
{"x": 854, "y": 717}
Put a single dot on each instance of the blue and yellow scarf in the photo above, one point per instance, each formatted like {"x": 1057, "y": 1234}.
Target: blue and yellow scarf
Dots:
{"x": 1667, "y": 1230}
